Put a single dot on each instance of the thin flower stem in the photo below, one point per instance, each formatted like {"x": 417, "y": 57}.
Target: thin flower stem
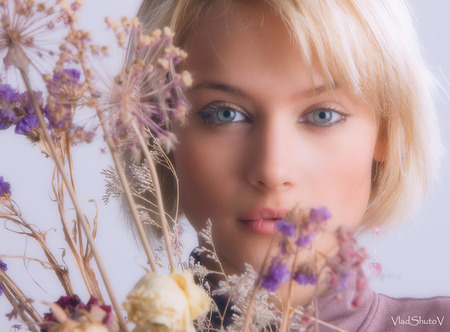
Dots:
{"x": 159, "y": 200}
{"x": 321, "y": 322}
{"x": 82, "y": 265}
{"x": 19, "y": 302}
{"x": 248, "y": 314}
{"x": 66, "y": 148}
{"x": 287, "y": 309}
{"x": 129, "y": 197}
{"x": 16, "y": 218}
{"x": 117, "y": 163}
{"x": 84, "y": 223}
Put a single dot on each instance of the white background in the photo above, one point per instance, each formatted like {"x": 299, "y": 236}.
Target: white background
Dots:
{"x": 414, "y": 257}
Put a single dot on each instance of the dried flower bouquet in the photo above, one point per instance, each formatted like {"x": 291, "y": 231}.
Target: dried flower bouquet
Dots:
{"x": 133, "y": 111}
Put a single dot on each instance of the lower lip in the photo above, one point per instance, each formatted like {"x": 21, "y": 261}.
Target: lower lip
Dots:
{"x": 261, "y": 226}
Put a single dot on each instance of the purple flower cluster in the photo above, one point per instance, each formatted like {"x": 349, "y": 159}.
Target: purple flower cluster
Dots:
{"x": 313, "y": 225}
{"x": 298, "y": 231}
{"x": 305, "y": 278}
{"x": 8, "y": 98}
{"x": 285, "y": 227}
{"x": 320, "y": 215}
{"x": 277, "y": 274}
{"x": 3, "y": 266}
{"x": 5, "y": 189}
{"x": 25, "y": 125}
{"x": 16, "y": 109}
{"x": 306, "y": 228}
{"x": 64, "y": 90}
{"x": 349, "y": 259}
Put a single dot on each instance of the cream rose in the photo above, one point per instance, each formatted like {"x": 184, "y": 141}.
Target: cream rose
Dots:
{"x": 92, "y": 328}
{"x": 166, "y": 303}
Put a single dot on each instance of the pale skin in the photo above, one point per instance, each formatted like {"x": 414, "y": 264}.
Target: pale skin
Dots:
{"x": 262, "y": 134}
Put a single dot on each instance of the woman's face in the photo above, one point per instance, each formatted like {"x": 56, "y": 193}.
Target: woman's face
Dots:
{"x": 263, "y": 138}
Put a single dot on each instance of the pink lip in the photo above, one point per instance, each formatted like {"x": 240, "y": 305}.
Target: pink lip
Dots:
{"x": 262, "y": 220}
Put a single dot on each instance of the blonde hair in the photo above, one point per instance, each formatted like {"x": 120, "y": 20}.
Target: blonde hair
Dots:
{"x": 369, "y": 47}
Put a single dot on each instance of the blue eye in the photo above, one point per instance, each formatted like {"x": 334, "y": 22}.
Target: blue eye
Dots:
{"x": 323, "y": 117}
{"x": 225, "y": 114}
{"x": 221, "y": 115}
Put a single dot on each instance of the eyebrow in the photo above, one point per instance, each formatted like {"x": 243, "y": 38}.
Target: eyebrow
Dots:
{"x": 218, "y": 86}
{"x": 311, "y": 92}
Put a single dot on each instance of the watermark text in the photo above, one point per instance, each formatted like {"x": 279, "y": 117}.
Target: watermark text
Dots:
{"x": 417, "y": 320}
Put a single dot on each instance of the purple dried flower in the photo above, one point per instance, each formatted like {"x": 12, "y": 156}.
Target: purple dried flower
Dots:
{"x": 343, "y": 279}
{"x": 27, "y": 124}
{"x": 70, "y": 304}
{"x": 8, "y": 98}
{"x": 7, "y": 117}
{"x": 339, "y": 279}
{"x": 51, "y": 121}
{"x": 5, "y": 188}
{"x": 278, "y": 273}
{"x": 75, "y": 309}
{"x": 3, "y": 265}
{"x": 8, "y": 94}
{"x": 26, "y": 104}
{"x": 305, "y": 278}
{"x": 68, "y": 75}
{"x": 304, "y": 240}
{"x": 320, "y": 215}
{"x": 12, "y": 315}
{"x": 285, "y": 227}
{"x": 65, "y": 86}
{"x": 349, "y": 259}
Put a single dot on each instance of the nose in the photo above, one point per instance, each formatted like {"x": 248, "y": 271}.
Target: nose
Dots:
{"x": 272, "y": 157}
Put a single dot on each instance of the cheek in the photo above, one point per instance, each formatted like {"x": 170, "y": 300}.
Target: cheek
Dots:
{"x": 350, "y": 180}
{"x": 205, "y": 176}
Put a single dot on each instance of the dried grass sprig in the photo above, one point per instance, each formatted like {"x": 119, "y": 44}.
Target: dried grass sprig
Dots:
{"x": 320, "y": 322}
{"x": 14, "y": 215}
{"x": 20, "y": 303}
{"x": 257, "y": 285}
{"x": 160, "y": 204}
{"x": 70, "y": 235}
{"x": 84, "y": 223}
{"x": 287, "y": 312}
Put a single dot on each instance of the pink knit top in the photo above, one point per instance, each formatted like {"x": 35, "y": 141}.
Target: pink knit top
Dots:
{"x": 378, "y": 312}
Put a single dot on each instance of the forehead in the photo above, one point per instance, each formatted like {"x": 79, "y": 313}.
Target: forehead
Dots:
{"x": 235, "y": 38}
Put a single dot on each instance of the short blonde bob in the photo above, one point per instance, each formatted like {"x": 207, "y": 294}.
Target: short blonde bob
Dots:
{"x": 370, "y": 48}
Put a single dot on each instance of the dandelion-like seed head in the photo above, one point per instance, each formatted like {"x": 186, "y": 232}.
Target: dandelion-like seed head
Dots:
{"x": 147, "y": 92}
{"x": 24, "y": 28}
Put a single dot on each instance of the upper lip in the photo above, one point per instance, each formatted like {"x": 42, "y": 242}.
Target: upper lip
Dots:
{"x": 263, "y": 213}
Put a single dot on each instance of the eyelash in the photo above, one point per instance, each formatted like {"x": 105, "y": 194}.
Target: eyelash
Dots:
{"x": 209, "y": 115}
{"x": 342, "y": 117}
